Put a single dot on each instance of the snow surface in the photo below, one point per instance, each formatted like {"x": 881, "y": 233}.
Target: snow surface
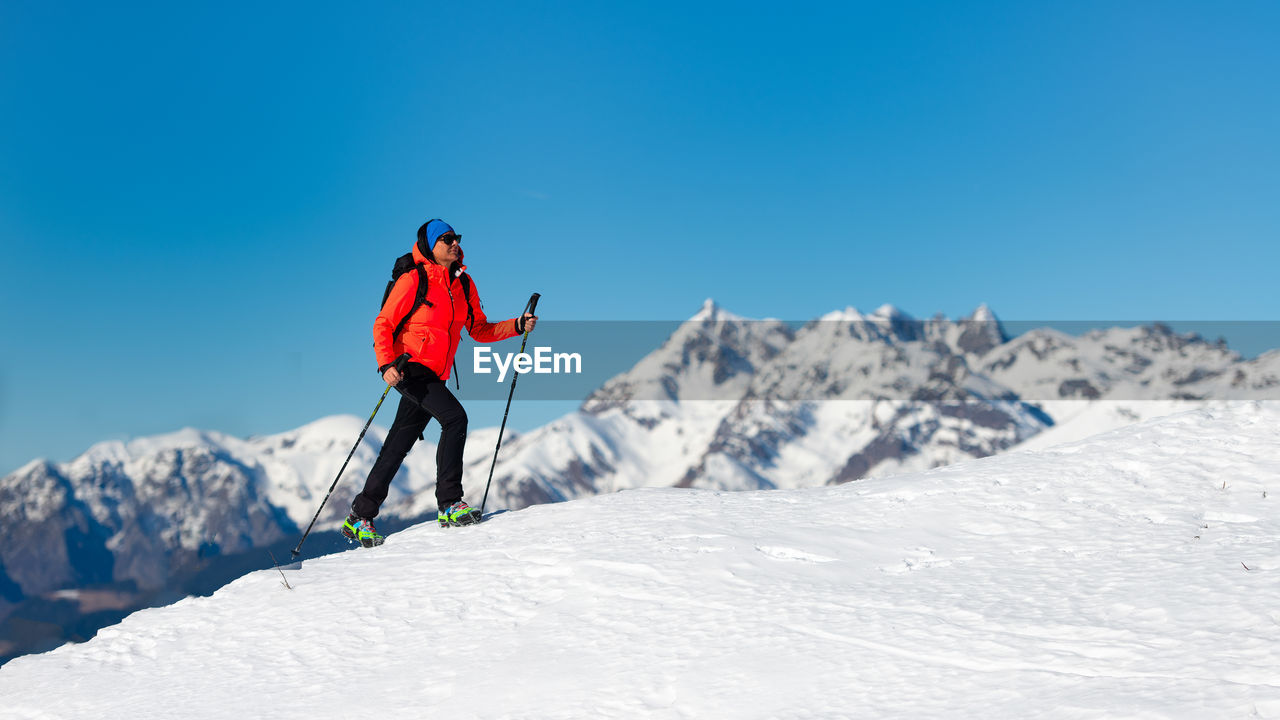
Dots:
{"x": 1130, "y": 574}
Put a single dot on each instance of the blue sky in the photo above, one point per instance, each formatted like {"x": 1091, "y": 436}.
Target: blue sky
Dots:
{"x": 199, "y": 203}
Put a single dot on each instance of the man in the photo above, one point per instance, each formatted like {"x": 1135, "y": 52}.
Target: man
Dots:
{"x": 429, "y": 333}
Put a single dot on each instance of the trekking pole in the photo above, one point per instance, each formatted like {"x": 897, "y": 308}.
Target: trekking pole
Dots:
{"x": 530, "y": 307}
{"x": 400, "y": 361}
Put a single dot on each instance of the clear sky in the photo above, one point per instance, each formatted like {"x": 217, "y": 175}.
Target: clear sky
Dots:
{"x": 200, "y": 202}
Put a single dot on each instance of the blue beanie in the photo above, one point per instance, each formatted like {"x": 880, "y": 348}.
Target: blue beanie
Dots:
{"x": 434, "y": 229}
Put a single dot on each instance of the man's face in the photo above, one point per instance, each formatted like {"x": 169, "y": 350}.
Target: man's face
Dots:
{"x": 448, "y": 248}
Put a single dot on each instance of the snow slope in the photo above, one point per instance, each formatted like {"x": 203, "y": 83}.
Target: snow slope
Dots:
{"x": 1131, "y": 574}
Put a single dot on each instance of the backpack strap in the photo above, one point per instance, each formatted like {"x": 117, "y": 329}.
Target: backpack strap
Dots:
{"x": 405, "y": 264}
{"x": 466, "y": 296}
{"x": 419, "y": 299}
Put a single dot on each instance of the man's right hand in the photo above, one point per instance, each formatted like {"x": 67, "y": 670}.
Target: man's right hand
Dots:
{"x": 392, "y": 376}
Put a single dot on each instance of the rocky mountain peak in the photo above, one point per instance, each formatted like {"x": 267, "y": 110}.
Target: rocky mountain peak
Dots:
{"x": 711, "y": 355}
{"x": 981, "y": 332}
{"x": 711, "y": 311}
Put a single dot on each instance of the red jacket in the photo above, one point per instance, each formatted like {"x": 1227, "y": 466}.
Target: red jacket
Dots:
{"x": 432, "y": 334}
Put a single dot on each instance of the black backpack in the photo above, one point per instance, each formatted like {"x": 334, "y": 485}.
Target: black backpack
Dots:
{"x": 404, "y": 264}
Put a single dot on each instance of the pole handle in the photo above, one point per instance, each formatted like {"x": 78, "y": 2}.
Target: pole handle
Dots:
{"x": 399, "y": 366}
{"x": 533, "y": 304}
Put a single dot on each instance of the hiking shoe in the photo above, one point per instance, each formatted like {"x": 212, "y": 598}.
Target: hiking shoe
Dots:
{"x": 457, "y": 514}
{"x": 361, "y": 530}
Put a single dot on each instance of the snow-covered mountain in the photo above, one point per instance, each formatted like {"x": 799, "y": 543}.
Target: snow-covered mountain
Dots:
{"x": 731, "y": 403}
{"x": 1145, "y": 363}
{"x": 724, "y": 403}
{"x": 133, "y": 521}
{"x": 1111, "y": 577}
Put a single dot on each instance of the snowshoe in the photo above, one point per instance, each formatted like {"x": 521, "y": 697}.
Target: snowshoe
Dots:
{"x": 361, "y": 530}
{"x": 458, "y": 514}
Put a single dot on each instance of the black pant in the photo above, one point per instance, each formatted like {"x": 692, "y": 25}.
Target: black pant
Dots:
{"x": 425, "y": 397}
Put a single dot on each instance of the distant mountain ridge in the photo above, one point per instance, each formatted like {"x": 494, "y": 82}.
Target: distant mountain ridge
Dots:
{"x": 725, "y": 402}
{"x": 732, "y": 403}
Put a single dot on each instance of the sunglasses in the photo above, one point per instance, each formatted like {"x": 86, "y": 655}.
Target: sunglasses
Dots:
{"x": 450, "y": 239}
